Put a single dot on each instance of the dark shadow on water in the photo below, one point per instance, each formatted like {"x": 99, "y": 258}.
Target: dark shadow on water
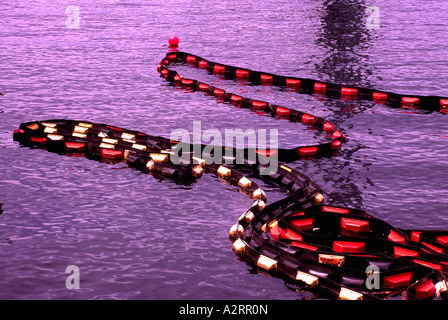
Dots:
{"x": 345, "y": 41}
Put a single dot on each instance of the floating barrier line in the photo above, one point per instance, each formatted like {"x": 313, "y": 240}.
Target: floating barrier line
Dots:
{"x": 332, "y": 132}
{"x": 304, "y": 85}
{"x": 341, "y": 252}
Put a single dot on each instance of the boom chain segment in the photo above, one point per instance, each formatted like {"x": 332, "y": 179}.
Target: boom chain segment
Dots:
{"x": 343, "y": 252}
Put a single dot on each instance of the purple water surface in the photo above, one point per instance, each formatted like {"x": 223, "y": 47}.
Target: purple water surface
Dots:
{"x": 134, "y": 237}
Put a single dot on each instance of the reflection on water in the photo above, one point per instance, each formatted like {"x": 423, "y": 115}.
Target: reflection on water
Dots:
{"x": 345, "y": 42}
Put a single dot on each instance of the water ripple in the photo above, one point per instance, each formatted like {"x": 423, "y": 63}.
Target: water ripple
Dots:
{"x": 134, "y": 237}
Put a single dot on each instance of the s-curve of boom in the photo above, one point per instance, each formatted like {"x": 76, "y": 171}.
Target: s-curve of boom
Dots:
{"x": 343, "y": 252}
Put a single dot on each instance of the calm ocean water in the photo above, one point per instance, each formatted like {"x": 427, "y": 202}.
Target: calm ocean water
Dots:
{"x": 134, "y": 237}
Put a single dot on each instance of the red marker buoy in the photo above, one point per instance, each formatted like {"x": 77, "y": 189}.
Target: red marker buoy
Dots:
{"x": 173, "y": 41}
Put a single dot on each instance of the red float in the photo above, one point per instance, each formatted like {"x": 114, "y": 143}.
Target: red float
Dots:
{"x": 39, "y": 140}
{"x": 348, "y": 92}
{"x": 410, "y": 102}
{"x": 395, "y": 237}
{"x": 111, "y": 154}
{"x": 320, "y": 88}
{"x": 75, "y": 147}
{"x": 402, "y": 252}
{"x": 173, "y": 41}
{"x": 398, "y": 280}
{"x": 328, "y": 127}
{"x": 282, "y": 112}
{"x": 442, "y": 240}
{"x": 266, "y": 153}
{"x": 444, "y": 105}
{"x": 219, "y": 93}
{"x": 308, "y": 151}
{"x": 291, "y": 235}
{"x": 204, "y": 87}
{"x": 259, "y": 104}
{"x": 191, "y": 60}
{"x": 415, "y": 236}
{"x": 335, "y": 209}
{"x": 304, "y": 246}
{"x": 336, "y": 145}
{"x": 379, "y": 97}
{"x": 434, "y": 266}
{"x": 236, "y": 99}
{"x": 349, "y": 246}
{"x": 171, "y": 57}
{"x": 217, "y": 69}
{"x": 303, "y": 224}
{"x": 354, "y": 225}
{"x": 425, "y": 290}
{"x": 242, "y": 74}
{"x": 187, "y": 82}
{"x": 432, "y": 247}
{"x": 293, "y": 83}
{"x": 266, "y": 79}
{"x": 308, "y": 119}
